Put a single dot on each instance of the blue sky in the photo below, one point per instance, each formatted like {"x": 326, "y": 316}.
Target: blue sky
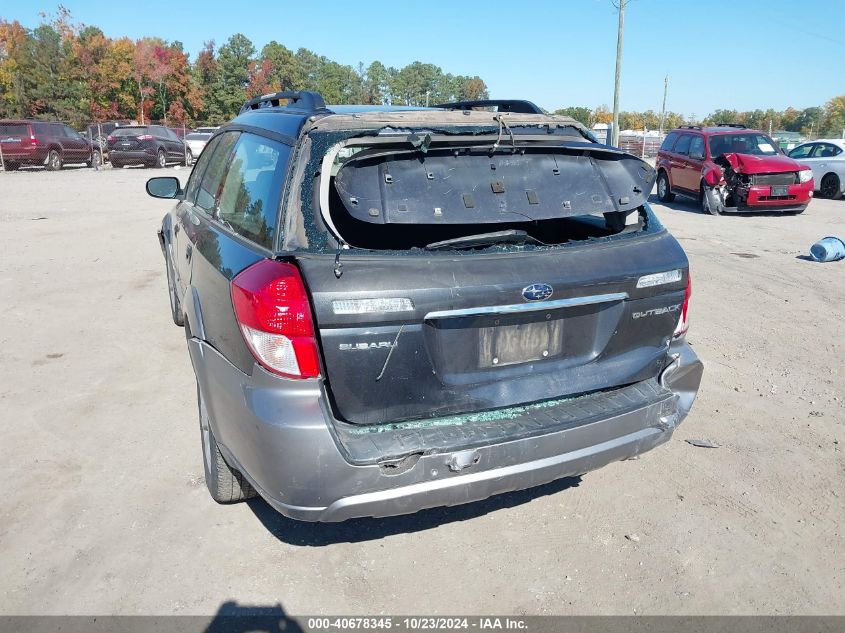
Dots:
{"x": 741, "y": 54}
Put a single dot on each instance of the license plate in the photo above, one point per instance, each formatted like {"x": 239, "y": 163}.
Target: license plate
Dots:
{"x": 519, "y": 343}
{"x": 125, "y": 144}
{"x": 780, "y": 190}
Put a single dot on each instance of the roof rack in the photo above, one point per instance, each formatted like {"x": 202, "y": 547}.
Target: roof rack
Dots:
{"x": 503, "y": 105}
{"x": 737, "y": 125}
{"x": 300, "y": 100}
{"x": 689, "y": 127}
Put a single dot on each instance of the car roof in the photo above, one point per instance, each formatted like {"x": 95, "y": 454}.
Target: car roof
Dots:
{"x": 289, "y": 121}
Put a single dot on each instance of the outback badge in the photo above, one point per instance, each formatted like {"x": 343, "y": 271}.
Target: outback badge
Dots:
{"x": 537, "y": 292}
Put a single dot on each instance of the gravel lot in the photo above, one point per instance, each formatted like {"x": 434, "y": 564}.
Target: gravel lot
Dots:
{"x": 104, "y": 508}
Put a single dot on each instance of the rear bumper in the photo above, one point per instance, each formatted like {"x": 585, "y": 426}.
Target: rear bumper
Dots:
{"x": 35, "y": 156}
{"x": 134, "y": 156}
{"x": 279, "y": 434}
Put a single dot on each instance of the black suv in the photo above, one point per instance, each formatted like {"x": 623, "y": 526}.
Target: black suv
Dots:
{"x": 389, "y": 309}
{"x": 148, "y": 145}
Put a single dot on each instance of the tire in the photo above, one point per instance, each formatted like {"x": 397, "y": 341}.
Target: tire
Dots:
{"x": 54, "y": 160}
{"x": 96, "y": 160}
{"x": 116, "y": 164}
{"x": 161, "y": 159}
{"x": 175, "y": 304}
{"x": 664, "y": 190}
{"x": 189, "y": 158}
{"x": 12, "y": 166}
{"x": 225, "y": 484}
{"x": 710, "y": 202}
{"x": 830, "y": 187}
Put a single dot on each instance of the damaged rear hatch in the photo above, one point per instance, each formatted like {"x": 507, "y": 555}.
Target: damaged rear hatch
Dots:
{"x": 467, "y": 273}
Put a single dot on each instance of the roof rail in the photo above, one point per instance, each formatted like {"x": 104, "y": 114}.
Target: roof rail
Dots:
{"x": 689, "y": 127}
{"x": 503, "y": 105}
{"x": 302, "y": 100}
{"x": 737, "y": 125}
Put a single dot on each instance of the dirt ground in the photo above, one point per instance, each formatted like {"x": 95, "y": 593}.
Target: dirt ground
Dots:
{"x": 104, "y": 510}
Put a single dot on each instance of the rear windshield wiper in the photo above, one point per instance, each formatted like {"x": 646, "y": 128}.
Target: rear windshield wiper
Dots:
{"x": 511, "y": 236}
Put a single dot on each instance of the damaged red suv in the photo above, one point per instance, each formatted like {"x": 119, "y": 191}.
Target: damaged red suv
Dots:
{"x": 729, "y": 168}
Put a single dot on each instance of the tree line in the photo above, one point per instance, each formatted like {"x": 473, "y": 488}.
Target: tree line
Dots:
{"x": 75, "y": 73}
{"x": 827, "y": 120}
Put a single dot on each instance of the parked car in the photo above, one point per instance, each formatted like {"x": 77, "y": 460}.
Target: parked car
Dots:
{"x": 196, "y": 141}
{"x": 826, "y": 157}
{"x": 148, "y": 145}
{"x": 52, "y": 144}
{"x": 729, "y": 168}
{"x": 392, "y": 309}
{"x": 97, "y": 133}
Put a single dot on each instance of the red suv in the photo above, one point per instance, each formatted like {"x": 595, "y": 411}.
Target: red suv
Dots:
{"x": 45, "y": 143}
{"x": 729, "y": 168}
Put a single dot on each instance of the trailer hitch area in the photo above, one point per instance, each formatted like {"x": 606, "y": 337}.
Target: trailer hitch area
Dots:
{"x": 463, "y": 459}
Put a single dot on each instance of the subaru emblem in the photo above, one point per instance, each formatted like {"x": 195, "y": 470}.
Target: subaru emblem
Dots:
{"x": 537, "y": 292}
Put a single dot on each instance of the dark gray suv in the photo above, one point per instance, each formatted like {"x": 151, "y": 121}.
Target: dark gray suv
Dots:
{"x": 389, "y": 309}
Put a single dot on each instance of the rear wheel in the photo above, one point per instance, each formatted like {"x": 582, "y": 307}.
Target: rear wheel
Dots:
{"x": 12, "y": 166}
{"x": 96, "y": 160}
{"x": 54, "y": 160}
{"x": 830, "y": 188}
{"x": 161, "y": 159}
{"x": 116, "y": 164}
{"x": 189, "y": 158}
{"x": 664, "y": 191}
{"x": 710, "y": 201}
{"x": 225, "y": 484}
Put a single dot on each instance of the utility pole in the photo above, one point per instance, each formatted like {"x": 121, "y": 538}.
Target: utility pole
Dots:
{"x": 615, "y": 138}
{"x": 663, "y": 111}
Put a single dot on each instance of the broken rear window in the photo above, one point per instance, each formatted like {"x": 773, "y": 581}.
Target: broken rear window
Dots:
{"x": 450, "y": 195}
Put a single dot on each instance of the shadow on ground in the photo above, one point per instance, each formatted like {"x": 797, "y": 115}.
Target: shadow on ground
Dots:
{"x": 234, "y": 618}
{"x": 357, "y": 530}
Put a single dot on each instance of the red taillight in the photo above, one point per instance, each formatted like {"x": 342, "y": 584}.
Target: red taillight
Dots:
{"x": 110, "y": 138}
{"x": 683, "y": 322}
{"x": 145, "y": 137}
{"x": 33, "y": 140}
{"x": 274, "y": 314}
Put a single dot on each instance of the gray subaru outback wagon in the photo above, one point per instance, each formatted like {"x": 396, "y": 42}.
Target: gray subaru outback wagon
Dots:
{"x": 389, "y": 309}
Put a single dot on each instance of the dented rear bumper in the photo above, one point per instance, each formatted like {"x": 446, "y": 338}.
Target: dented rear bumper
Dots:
{"x": 282, "y": 436}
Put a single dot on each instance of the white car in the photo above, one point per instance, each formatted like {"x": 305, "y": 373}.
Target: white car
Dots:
{"x": 207, "y": 130}
{"x": 826, "y": 157}
{"x": 196, "y": 142}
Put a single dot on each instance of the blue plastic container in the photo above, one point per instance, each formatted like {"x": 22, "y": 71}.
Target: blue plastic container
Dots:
{"x": 828, "y": 249}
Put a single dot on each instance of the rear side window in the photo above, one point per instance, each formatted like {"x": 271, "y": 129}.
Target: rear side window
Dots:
{"x": 212, "y": 177}
{"x": 42, "y": 128}
{"x": 669, "y": 141}
{"x": 249, "y": 200}
{"x": 683, "y": 144}
{"x": 824, "y": 150}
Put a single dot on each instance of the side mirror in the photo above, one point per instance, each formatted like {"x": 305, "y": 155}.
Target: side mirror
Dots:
{"x": 164, "y": 187}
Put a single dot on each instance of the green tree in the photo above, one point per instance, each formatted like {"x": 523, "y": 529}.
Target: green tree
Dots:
{"x": 284, "y": 71}
{"x": 228, "y": 89}
{"x": 582, "y": 114}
